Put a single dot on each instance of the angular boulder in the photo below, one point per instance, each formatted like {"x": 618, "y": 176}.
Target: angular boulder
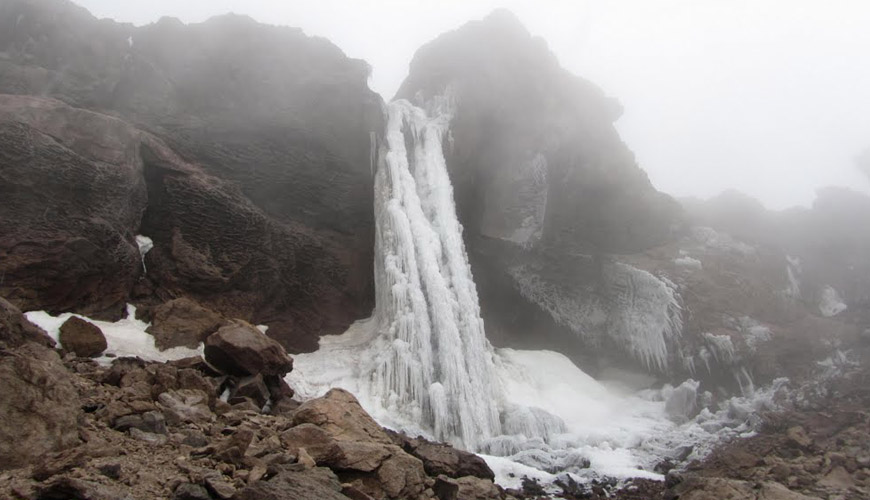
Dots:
{"x": 39, "y": 406}
{"x": 444, "y": 459}
{"x": 183, "y": 322}
{"x": 83, "y": 338}
{"x": 319, "y": 483}
{"x": 241, "y": 350}
{"x": 342, "y": 417}
{"x": 15, "y": 329}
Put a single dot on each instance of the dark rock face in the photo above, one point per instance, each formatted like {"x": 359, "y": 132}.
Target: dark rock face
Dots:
{"x": 16, "y": 330}
{"x": 82, "y": 337}
{"x": 183, "y": 322}
{"x": 255, "y": 184}
{"x": 443, "y": 459}
{"x": 39, "y": 406}
{"x": 242, "y": 350}
{"x": 73, "y": 194}
{"x": 540, "y": 175}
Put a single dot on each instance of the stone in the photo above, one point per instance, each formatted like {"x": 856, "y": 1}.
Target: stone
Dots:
{"x": 189, "y": 491}
{"x": 151, "y": 421}
{"x": 475, "y": 488}
{"x": 339, "y": 414}
{"x": 15, "y": 329}
{"x": 148, "y": 437}
{"x": 219, "y": 487}
{"x": 279, "y": 390}
{"x": 309, "y": 484}
{"x": 446, "y": 488}
{"x": 185, "y": 405}
{"x": 182, "y": 322}
{"x": 83, "y": 338}
{"x": 798, "y": 437}
{"x": 66, "y": 488}
{"x": 242, "y": 350}
{"x": 39, "y": 406}
{"x": 442, "y": 458}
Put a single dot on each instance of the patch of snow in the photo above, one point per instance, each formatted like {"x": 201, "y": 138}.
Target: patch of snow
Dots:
{"x": 145, "y": 244}
{"x": 125, "y": 337}
{"x": 793, "y": 271}
{"x": 830, "y": 303}
{"x": 710, "y": 238}
{"x": 688, "y": 263}
{"x": 263, "y": 328}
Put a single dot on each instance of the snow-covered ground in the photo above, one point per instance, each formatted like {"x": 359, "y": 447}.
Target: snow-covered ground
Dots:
{"x": 126, "y": 337}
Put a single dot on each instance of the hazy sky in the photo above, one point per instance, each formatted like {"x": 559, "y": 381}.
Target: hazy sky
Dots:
{"x": 770, "y": 97}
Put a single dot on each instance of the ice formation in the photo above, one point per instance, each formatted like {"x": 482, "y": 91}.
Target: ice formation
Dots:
{"x": 793, "y": 271}
{"x": 422, "y": 364}
{"x": 430, "y": 359}
{"x": 830, "y": 303}
{"x": 145, "y": 244}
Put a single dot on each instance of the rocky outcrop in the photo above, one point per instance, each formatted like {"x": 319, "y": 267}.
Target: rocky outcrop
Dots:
{"x": 183, "y": 322}
{"x": 254, "y": 182}
{"x": 39, "y": 406}
{"x": 82, "y": 337}
{"x": 16, "y": 330}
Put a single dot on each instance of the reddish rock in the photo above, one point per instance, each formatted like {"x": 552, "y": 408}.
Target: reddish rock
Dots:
{"x": 183, "y": 323}
{"x": 39, "y": 406}
{"x": 241, "y": 350}
{"x": 83, "y": 338}
{"x": 16, "y": 330}
{"x": 342, "y": 417}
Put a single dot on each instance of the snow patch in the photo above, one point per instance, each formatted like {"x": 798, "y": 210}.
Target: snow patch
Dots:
{"x": 689, "y": 263}
{"x": 125, "y": 337}
{"x": 830, "y": 303}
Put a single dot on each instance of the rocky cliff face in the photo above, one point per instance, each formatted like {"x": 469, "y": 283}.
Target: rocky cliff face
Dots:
{"x": 242, "y": 150}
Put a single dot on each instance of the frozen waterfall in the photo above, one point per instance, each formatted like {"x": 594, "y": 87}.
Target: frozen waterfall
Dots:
{"x": 437, "y": 357}
{"x": 427, "y": 358}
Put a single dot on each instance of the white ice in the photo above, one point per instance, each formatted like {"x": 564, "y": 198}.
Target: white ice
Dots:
{"x": 830, "y": 303}
{"x": 422, "y": 363}
{"x": 125, "y": 337}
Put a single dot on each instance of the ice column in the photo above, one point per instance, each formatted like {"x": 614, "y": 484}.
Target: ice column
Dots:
{"x": 435, "y": 357}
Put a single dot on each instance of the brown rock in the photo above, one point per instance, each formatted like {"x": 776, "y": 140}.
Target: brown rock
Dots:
{"x": 402, "y": 476}
{"x": 241, "y": 350}
{"x": 252, "y": 388}
{"x": 309, "y": 484}
{"x": 71, "y": 488}
{"x": 475, "y": 488}
{"x": 341, "y": 416}
{"x": 39, "y": 406}
{"x": 183, "y": 322}
{"x": 441, "y": 458}
{"x": 798, "y": 437}
{"x": 83, "y": 338}
{"x": 185, "y": 405}
{"x": 15, "y": 329}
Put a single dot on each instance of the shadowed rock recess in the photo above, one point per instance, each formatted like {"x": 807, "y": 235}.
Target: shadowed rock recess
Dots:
{"x": 242, "y": 150}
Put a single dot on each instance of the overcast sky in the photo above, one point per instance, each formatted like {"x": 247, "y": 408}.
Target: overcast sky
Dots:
{"x": 770, "y": 97}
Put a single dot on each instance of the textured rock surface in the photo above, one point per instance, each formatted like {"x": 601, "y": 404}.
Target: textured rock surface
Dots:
{"x": 39, "y": 406}
{"x": 183, "y": 322}
{"x": 15, "y": 329}
{"x": 240, "y": 349}
{"x": 268, "y": 215}
{"x": 82, "y": 337}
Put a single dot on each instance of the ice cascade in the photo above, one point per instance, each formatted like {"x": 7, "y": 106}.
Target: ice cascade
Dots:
{"x": 437, "y": 357}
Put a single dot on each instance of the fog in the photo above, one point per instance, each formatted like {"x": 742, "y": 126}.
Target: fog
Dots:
{"x": 771, "y": 98}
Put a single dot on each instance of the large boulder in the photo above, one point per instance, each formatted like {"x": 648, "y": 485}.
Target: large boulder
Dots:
{"x": 183, "y": 322}
{"x": 241, "y": 350}
{"x": 83, "y": 338}
{"x": 444, "y": 459}
{"x": 39, "y": 406}
{"x": 342, "y": 417}
{"x": 16, "y": 330}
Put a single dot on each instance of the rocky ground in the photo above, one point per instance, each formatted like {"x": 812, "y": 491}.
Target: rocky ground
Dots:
{"x": 193, "y": 429}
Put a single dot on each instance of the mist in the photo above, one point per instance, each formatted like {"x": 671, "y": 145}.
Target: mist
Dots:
{"x": 769, "y": 98}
